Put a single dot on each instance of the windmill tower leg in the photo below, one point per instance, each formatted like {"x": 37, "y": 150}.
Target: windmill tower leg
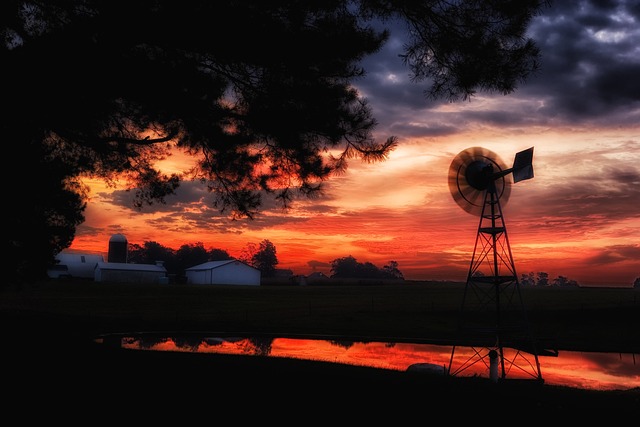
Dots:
{"x": 493, "y": 323}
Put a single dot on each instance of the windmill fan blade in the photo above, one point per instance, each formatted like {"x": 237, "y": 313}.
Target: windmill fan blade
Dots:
{"x": 477, "y": 198}
{"x": 503, "y": 189}
{"x": 465, "y": 205}
{"x": 471, "y": 195}
{"x": 471, "y": 173}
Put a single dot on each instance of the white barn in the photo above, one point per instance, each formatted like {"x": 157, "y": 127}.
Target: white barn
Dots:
{"x": 121, "y": 272}
{"x": 227, "y": 272}
{"x": 74, "y": 265}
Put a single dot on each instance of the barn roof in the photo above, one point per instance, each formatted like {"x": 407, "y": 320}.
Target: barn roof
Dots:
{"x": 122, "y": 266}
{"x": 77, "y": 257}
{"x": 210, "y": 265}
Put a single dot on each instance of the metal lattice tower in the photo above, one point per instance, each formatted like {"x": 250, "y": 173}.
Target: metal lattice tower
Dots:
{"x": 494, "y": 333}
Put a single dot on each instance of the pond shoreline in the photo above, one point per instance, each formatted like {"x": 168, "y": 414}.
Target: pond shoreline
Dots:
{"x": 48, "y": 345}
{"x": 89, "y": 373}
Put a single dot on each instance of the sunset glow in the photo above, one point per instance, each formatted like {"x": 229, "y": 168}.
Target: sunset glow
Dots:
{"x": 579, "y": 217}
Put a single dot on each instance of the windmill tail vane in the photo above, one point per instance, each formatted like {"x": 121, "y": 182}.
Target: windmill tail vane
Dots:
{"x": 522, "y": 167}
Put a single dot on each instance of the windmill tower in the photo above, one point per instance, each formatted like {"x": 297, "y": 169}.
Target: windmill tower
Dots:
{"x": 492, "y": 326}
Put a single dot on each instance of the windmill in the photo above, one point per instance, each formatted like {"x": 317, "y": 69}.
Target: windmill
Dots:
{"x": 492, "y": 321}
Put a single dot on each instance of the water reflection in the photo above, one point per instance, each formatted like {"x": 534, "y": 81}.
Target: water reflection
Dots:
{"x": 599, "y": 371}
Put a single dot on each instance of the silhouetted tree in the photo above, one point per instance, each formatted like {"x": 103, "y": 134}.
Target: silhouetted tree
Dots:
{"x": 342, "y": 344}
{"x": 636, "y": 283}
{"x": 189, "y": 255}
{"x": 175, "y": 261}
{"x": 563, "y": 281}
{"x": 149, "y": 253}
{"x": 152, "y": 252}
{"x": 191, "y": 343}
{"x": 543, "y": 279}
{"x": 528, "y": 279}
{"x": 349, "y": 268}
{"x": 369, "y": 270}
{"x": 344, "y": 268}
{"x": 43, "y": 210}
{"x": 149, "y": 341}
{"x": 218, "y": 254}
{"x": 247, "y": 253}
{"x": 135, "y": 253}
{"x": 392, "y": 270}
{"x": 263, "y": 257}
{"x": 134, "y": 80}
{"x": 261, "y": 345}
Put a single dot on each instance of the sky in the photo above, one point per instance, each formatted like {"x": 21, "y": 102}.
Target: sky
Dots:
{"x": 578, "y": 217}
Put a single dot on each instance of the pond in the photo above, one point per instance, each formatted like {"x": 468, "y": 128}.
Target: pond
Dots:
{"x": 598, "y": 371}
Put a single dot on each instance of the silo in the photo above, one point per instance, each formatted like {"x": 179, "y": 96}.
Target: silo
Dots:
{"x": 118, "y": 247}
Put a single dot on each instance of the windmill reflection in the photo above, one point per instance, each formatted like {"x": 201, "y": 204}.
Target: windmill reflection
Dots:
{"x": 600, "y": 371}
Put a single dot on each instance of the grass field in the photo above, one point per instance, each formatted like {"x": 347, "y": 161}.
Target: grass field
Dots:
{"x": 589, "y": 319}
{"x": 48, "y": 347}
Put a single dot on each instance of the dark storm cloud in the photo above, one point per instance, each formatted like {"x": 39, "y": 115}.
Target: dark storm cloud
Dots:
{"x": 193, "y": 201}
{"x": 598, "y": 200}
{"x": 614, "y": 254}
{"x": 589, "y": 67}
{"x": 88, "y": 230}
{"x": 188, "y": 194}
{"x": 589, "y": 61}
{"x": 393, "y": 97}
{"x": 192, "y": 208}
{"x": 623, "y": 176}
{"x": 592, "y": 187}
{"x": 518, "y": 116}
{"x": 317, "y": 264}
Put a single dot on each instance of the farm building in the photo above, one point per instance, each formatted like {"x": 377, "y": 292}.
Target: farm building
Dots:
{"x": 74, "y": 265}
{"x": 130, "y": 273}
{"x": 227, "y": 272}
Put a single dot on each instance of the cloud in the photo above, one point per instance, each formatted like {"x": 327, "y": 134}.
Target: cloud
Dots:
{"x": 590, "y": 56}
{"x": 614, "y": 254}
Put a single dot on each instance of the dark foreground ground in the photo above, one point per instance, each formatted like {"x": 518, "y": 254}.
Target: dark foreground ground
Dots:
{"x": 54, "y": 371}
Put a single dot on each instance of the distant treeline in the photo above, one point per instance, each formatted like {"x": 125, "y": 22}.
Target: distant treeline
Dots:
{"x": 542, "y": 279}
{"x": 262, "y": 256}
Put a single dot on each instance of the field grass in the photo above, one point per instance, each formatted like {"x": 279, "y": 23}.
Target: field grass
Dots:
{"x": 588, "y": 319}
